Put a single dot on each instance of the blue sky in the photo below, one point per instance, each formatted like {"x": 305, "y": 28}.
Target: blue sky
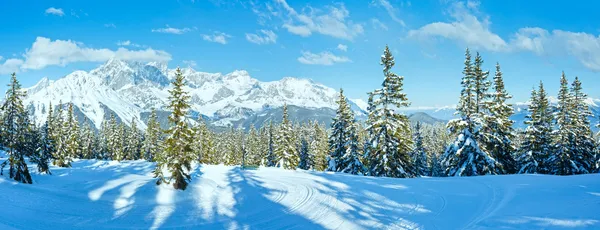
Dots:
{"x": 336, "y": 43}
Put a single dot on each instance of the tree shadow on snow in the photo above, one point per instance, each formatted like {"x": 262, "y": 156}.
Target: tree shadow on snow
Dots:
{"x": 372, "y": 202}
{"x": 255, "y": 210}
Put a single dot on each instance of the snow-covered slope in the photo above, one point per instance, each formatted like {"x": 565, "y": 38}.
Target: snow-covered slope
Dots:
{"x": 130, "y": 88}
{"x": 110, "y": 195}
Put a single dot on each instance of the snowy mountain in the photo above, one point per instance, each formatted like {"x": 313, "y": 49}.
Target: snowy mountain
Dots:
{"x": 131, "y": 89}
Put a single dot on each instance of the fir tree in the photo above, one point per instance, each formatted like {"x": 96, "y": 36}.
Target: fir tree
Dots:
{"x": 87, "y": 141}
{"x": 285, "y": 148}
{"x": 389, "y": 155}
{"x": 177, "y": 155}
{"x": 304, "y": 158}
{"x": 153, "y": 141}
{"x": 14, "y": 129}
{"x": 435, "y": 168}
{"x": 584, "y": 144}
{"x": 253, "y": 148}
{"x": 45, "y": 149}
{"x": 564, "y": 161}
{"x": 464, "y": 157}
{"x": 497, "y": 132}
{"x": 339, "y": 139}
{"x": 133, "y": 142}
{"x": 419, "y": 154}
{"x": 113, "y": 140}
{"x": 320, "y": 146}
{"x": 61, "y": 156}
{"x": 71, "y": 133}
{"x": 270, "y": 157}
{"x": 534, "y": 152}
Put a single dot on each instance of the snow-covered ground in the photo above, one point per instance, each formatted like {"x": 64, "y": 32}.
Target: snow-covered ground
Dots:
{"x": 106, "y": 194}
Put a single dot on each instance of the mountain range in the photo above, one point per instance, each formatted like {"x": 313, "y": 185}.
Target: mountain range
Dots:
{"x": 131, "y": 89}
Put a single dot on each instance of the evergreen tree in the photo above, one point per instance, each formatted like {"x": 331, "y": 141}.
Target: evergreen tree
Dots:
{"x": 72, "y": 140}
{"x": 419, "y": 154}
{"x": 270, "y": 157}
{"x": 14, "y": 129}
{"x": 481, "y": 86}
{"x": 464, "y": 157}
{"x": 232, "y": 144}
{"x": 253, "y": 148}
{"x": 153, "y": 141}
{"x": 534, "y": 153}
{"x": 133, "y": 142}
{"x": 389, "y": 154}
{"x": 467, "y": 103}
{"x": 564, "y": 161}
{"x": 435, "y": 168}
{"x": 497, "y": 132}
{"x": 320, "y": 146}
{"x": 304, "y": 158}
{"x": 285, "y": 148}
{"x": 45, "y": 149}
{"x": 87, "y": 141}
{"x": 178, "y": 153}
{"x": 61, "y": 156}
{"x": 339, "y": 139}
{"x": 351, "y": 158}
{"x": 584, "y": 144}
{"x": 113, "y": 141}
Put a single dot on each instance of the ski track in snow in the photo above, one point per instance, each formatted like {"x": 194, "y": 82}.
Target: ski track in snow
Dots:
{"x": 110, "y": 195}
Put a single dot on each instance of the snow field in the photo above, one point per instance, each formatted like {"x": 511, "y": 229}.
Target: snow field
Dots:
{"x": 97, "y": 194}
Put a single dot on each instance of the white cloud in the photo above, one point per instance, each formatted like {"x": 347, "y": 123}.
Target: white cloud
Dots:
{"x": 125, "y": 43}
{"x": 323, "y": 58}
{"x": 10, "y": 65}
{"x": 45, "y": 52}
{"x": 332, "y": 22}
{"x": 267, "y": 37}
{"x": 342, "y": 47}
{"x": 171, "y": 30}
{"x": 378, "y": 24}
{"x": 55, "y": 11}
{"x": 583, "y": 46}
{"x": 190, "y": 63}
{"x": 217, "y": 37}
{"x": 390, "y": 10}
{"x": 110, "y": 25}
{"x": 466, "y": 28}
{"x": 474, "y": 32}
{"x": 128, "y": 43}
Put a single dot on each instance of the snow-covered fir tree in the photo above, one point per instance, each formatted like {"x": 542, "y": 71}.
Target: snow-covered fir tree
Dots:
{"x": 153, "y": 138}
{"x": 270, "y": 157}
{"x": 45, "y": 149}
{"x": 435, "y": 166}
{"x": 134, "y": 140}
{"x": 178, "y": 154}
{"x": 304, "y": 162}
{"x": 112, "y": 139}
{"x": 391, "y": 140}
{"x": 60, "y": 156}
{"x": 419, "y": 154}
{"x": 497, "y": 130}
{"x": 352, "y": 157}
{"x": 72, "y": 138}
{"x": 464, "y": 157}
{"x": 231, "y": 147}
{"x": 584, "y": 143}
{"x": 564, "y": 160}
{"x": 13, "y": 125}
{"x": 87, "y": 140}
{"x": 535, "y": 150}
{"x": 319, "y": 146}
{"x": 254, "y": 151}
{"x": 285, "y": 148}
{"x": 340, "y": 136}
{"x": 119, "y": 142}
